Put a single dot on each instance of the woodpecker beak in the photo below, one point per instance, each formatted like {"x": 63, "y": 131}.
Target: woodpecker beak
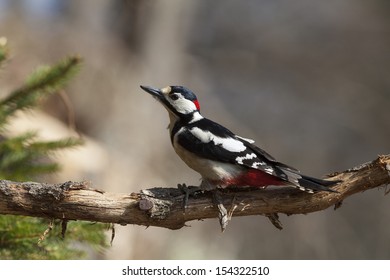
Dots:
{"x": 160, "y": 95}
{"x": 155, "y": 92}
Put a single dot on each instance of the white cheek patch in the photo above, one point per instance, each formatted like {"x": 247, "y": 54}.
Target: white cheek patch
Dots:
{"x": 229, "y": 144}
{"x": 182, "y": 105}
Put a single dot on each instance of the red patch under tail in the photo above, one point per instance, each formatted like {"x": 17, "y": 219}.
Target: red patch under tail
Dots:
{"x": 255, "y": 178}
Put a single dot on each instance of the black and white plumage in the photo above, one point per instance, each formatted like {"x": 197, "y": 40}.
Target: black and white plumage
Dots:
{"x": 223, "y": 158}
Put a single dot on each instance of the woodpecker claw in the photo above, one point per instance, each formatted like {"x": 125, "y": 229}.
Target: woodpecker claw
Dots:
{"x": 187, "y": 191}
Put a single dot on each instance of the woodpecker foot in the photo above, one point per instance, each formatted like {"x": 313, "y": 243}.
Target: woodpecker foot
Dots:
{"x": 188, "y": 191}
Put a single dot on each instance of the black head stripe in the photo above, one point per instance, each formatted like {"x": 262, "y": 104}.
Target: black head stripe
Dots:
{"x": 185, "y": 92}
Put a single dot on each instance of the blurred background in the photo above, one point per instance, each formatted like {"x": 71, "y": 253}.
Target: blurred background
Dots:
{"x": 308, "y": 80}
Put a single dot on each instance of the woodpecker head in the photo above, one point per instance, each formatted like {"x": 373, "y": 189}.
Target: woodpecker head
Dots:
{"x": 178, "y": 100}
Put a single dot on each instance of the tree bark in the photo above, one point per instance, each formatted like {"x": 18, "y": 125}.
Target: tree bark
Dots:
{"x": 163, "y": 207}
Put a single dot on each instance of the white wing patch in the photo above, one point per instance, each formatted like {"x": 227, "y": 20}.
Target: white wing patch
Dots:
{"x": 246, "y": 139}
{"x": 269, "y": 170}
{"x": 229, "y": 144}
{"x": 256, "y": 164}
{"x": 240, "y": 160}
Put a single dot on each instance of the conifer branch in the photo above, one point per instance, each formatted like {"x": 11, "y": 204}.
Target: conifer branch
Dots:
{"x": 24, "y": 156}
{"x": 163, "y": 207}
{"x": 3, "y": 49}
{"x": 42, "y": 82}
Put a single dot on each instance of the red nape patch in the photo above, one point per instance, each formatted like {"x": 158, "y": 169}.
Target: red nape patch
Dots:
{"x": 196, "y": 104}
{"x": 255, "y": 178}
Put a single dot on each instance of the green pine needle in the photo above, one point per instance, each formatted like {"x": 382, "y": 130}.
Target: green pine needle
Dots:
{"x": 51, "y": 146}
{"x": 25, "y": 157}
{"x": 3, "y": 49}
{"x": 19, "y": 239}
{"x": 41, "y": 83}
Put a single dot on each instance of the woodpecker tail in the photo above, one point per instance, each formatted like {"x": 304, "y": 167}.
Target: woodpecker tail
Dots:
{"x": 310, "y": 184}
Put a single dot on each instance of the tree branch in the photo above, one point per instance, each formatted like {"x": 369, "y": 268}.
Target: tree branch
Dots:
{"x": 163, "y": 207}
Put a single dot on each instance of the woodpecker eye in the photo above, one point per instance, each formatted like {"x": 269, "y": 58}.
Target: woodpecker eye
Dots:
{"x": 174, "y": 96}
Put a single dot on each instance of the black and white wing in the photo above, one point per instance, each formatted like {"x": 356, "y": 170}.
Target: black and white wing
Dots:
{"x": 212, "y": 141}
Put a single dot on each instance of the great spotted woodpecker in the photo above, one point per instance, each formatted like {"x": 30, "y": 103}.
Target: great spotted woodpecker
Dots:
{"x": 223, "y": 158}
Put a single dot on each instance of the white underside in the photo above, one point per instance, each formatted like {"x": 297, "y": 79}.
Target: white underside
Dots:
{"x": 209, "y": 169}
